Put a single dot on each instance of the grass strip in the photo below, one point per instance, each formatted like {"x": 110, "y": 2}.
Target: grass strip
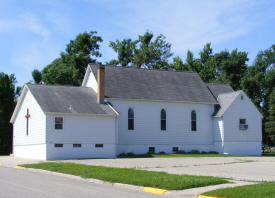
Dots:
{"x": 130, "y": 176}
{"x": 195, "y": 155}
{"x": 265, "y": 189}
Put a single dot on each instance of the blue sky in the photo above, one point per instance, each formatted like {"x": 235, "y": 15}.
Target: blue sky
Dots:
{"x": 33, "y": 33}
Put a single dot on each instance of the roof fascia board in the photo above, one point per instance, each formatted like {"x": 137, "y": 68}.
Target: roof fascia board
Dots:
{"x": 80, "y": 114}
{"x": 84, "y": 83}
{"x": 253, "y": 105}
{"x": 241, "y": 91}
{"x": 163, "y": 101}
{"x": 18, "y": 105}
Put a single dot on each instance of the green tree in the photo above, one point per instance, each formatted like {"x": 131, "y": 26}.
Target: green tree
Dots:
{"x": 70, "y": 68}
{"x": 207, "y": 64}
{"x": 231, "y": 67}
{"x": 125, "y": 51}
{"x": 258, "y": 84}
{"x": 142, "y": 52}
{"x": 37, "y": 76}
{"x": 178, "y": 64}
{"x": 270, "y": 120}
{"x": 7, "y": 105}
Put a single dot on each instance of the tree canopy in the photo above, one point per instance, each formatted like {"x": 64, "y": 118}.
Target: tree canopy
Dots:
{"x": 144, "y": 52}
{"x": 69, "y": 68}
{"x": 7, "y": 104}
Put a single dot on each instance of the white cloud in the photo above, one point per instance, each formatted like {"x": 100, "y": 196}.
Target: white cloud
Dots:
{"x": 26, "y": 21}
{"x": 188, "y": 24}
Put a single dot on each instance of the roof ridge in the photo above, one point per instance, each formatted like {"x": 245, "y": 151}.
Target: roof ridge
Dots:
{"x": 146, "y": 69}
{"x": 217, "y": 84}
{"x": 55, "y": 85}
{"x": 230, "y": 92}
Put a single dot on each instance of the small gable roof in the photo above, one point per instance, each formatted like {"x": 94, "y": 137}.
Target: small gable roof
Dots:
{"x": 217, "y": 89}
{"x": 152, "y": 84}
{"x": 59, "y": 98}
{"x": 225, "y": 100}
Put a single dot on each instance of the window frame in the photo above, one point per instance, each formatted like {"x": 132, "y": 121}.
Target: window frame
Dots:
{"x": 132, "y": 119}
{"x": 59, "y": 123}
{"x": 163, "y": 119}
{"x": 58, "y": 145}
{"x": 242, "y": 119}
{"x": 196, "y": 128}
{"x": 99, "y": 145}
{"x": 175, "y": 149}
{"x": 152, "y": 148}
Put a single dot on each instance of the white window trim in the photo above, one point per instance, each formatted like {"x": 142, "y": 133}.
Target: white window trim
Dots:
{"x": 190, "y": 120}
{"x": 165, "y": 119}
{"x": 242, "y": 119}
{"x": 62, "y": 123}
{"x": 128, "y": 119}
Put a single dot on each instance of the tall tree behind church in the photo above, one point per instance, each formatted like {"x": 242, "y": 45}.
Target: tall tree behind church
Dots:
{"x": 142, "y": 52}
{"x": 7, "y": 105}
{"x": 69, "y": 68}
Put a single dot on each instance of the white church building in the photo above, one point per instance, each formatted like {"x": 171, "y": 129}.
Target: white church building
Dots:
{"x": 124, "y": 109}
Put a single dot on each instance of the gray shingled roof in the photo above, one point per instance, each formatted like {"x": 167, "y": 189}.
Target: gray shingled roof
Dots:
{"x": 148, "y": 84}
{"x": 217, "y": 89}
{"x": 57, "y": 99}
{"x": 225, "y": 100}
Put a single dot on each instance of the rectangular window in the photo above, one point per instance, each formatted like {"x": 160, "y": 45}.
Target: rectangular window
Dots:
{"x": 242, "y": 121}
{"x": 58, "y": 123}
{"x": 99, "y": 145}
{"x": 175, "y": 149}
{"x": 77, "y": 145}
{"x": 58, "y": 145}
{"x": 152, "y": 149}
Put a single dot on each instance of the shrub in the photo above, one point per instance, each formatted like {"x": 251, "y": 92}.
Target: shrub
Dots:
{"x": 203, "y": 152}
{"x": 125, "y": 155}
{"x": 195, "y": 152}
{"x": 161, "y": 152}
{"x": 131, "y": 154}
{"x": 213, "y": 152}
{"x": 122, "y": 155}
{"x": 150, "y": 152}
{"x": 181, "y": 152}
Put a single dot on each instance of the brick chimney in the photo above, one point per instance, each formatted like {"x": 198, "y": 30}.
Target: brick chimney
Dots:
{"x": 101, "y": 84}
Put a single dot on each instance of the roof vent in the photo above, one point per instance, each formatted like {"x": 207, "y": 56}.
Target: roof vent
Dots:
{"x": 71, "y": 107}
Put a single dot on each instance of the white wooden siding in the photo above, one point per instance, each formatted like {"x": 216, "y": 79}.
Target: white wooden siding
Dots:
{"x": 242, "y": 109}
{"x": 178, "y": 123}
{"x": 82, "y": 129}
{"x": 85, "y": 151}
{"x": 91, "y": 82}
{"x": 36, "y": 134}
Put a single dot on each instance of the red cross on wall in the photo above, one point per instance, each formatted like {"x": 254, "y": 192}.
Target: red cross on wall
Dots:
{"x": 27, "y": 116}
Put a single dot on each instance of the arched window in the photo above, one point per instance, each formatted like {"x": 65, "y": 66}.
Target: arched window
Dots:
{"x": 130, "y": 119}
{"x": 163, "y": 119}
{"x": 193, "y": 121}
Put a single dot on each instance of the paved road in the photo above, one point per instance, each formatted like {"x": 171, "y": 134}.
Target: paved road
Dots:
{"x": 24, "y": 183}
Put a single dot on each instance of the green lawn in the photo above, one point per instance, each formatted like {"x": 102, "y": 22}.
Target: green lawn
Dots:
{"x": 262, "y": 190}
{"x": 131, "y": 176}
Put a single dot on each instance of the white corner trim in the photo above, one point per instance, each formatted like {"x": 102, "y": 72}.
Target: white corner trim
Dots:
{"x": 19, "y": 102}
{"x": 84, "y": 83}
